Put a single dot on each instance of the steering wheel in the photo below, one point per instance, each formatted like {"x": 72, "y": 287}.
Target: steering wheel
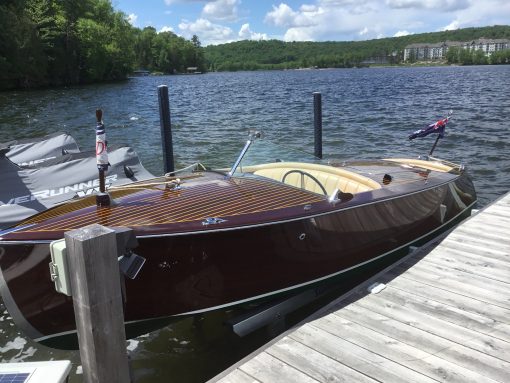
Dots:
{"x": 303, "y": 174}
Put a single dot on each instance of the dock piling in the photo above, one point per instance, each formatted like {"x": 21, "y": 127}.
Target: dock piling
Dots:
{"x": 166, "y": 129}
{"x": 317, "y": 124}
{"x": 97, "y": 301}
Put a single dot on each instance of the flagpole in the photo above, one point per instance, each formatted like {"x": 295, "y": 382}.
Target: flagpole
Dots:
{"x": 102, "y": 198}
{"x": 434, "y": 146}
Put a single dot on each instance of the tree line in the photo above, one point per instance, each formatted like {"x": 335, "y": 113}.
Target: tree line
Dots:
{"x": 457, "y": 55}
{"x": 65, "y": 42}
{"x": 275, "y": 54}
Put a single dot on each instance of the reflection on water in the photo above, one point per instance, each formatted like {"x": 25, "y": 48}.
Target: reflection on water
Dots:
{"x": 367, "y": 113}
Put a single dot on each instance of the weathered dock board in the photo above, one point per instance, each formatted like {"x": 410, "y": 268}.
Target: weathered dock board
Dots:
{"x": 444, "y": 316}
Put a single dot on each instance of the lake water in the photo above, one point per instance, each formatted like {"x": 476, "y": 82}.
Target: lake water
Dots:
{"x": 367, "y": 113}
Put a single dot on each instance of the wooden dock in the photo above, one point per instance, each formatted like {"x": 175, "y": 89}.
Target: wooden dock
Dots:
{"x": 443, "y": 315}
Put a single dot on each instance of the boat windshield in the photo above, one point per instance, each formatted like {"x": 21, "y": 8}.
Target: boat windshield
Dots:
{"x": 258, "y": 150}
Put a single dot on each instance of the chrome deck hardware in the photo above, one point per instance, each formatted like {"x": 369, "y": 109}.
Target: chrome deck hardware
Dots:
{"x": 212, "y": 221}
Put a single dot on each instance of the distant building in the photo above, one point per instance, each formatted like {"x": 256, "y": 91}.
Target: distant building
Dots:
{"x": 437, "y": 51}
{"x": 425, "y": 51}
{"x": 488, "y": 46}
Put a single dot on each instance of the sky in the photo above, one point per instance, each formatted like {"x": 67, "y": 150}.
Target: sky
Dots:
{"x": 222, "y": 21}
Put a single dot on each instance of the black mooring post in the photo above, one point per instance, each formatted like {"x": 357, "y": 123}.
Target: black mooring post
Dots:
{"x": 317, "y": 124}
{"x": 166, "y": 129}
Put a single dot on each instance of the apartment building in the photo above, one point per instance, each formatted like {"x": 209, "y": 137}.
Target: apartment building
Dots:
{"x": 437, "y": 51}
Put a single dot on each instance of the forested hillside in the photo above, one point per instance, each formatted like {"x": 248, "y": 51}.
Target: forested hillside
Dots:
{"x": 63, "y": 42}
{"x": 274, "y": 54}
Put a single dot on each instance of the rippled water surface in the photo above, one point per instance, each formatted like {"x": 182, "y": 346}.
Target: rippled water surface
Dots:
{"x": 368, "y": 113}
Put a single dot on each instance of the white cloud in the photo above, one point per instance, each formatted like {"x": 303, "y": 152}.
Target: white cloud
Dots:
{"x": 245, "y": 33}
{"x": 132, "y": 18}
{"x": 452, "y": 26}
{"x": 401, "y": 33}
{"x": 316, "y": 20}
{"x": 368, "y": 19}
{"x": 281, "y": 16}
{"x": 299, "y": 34}
{"x": 481, "y": 13}
{"x": 166, "y": 29}
{"x": 170, "y": 2}
{"x": 224, "y": 10}
{"x": 208, "y": 32}
{"x": 284, "y": 16}
{"x": 326, "y": 20}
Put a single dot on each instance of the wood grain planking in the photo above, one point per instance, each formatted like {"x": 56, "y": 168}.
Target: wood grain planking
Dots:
{"x": 471, "y": 234}
{"x": 467, "y": 250}
{"x": 487, "y": 218}
{"x": 463, "y": 356}
{"x": 269, "y": 369}
{"x": 398, "y": 352}
{"x": 314, "y": 363}
{"x": 453, "y": 299}
{"x": 97, "y": 303}
{"x": 499, "y": 288}
{"x": 484, "y": 267}
{"x": 365, "y": 361}
{"x": 496, "y": 241}
{"x": 485, "y": 249}
{"x": 487, "y": 290}
{"x": 445, "y": 321}
{"x": 465, "y": 289}
{"x": 238, "y": 376}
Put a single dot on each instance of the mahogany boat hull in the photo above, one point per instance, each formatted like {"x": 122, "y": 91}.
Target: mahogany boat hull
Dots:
{"x": 190, "y": 273}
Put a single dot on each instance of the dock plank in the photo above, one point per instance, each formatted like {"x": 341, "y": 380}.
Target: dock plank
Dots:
{"x": 489, "y": 268}
{"x": 485, "y": 290}
{"x": 238, "y": 376}
{"x": 474, "y": 231}
{"x": 443, "y": 316}
{"x": 453, "y": 299}
{"x": 414, "y": 359}
{"x": 379, "y": 367}
{"x": 458, "y": 354}
{"x": 313, "y": 362}
{"x": 268, "y": 369}
{"x": 445, "y": 321}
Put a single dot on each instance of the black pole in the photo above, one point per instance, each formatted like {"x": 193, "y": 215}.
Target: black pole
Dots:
{"x": 317, "y": 124}
{"x": 166, "y": 129}
{"x": 434, "y": 146}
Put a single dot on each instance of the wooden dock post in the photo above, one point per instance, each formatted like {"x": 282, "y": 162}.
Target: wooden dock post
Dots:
{"x": 97, "y": 299}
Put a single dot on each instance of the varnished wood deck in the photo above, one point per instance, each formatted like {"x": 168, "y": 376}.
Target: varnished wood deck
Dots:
{"x": 444, "y": 316}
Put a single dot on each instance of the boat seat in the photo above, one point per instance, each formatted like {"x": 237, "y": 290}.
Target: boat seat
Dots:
{"x": 330, "y": 177}
{"x": 430, "y": 165}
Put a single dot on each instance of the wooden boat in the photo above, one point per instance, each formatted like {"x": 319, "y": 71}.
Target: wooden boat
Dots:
{"x": 215, "y": 239}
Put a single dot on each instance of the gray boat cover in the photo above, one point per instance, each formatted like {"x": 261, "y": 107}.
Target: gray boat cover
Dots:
{"x": 29, "y": 190}
{"x": 35, "y": 151}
